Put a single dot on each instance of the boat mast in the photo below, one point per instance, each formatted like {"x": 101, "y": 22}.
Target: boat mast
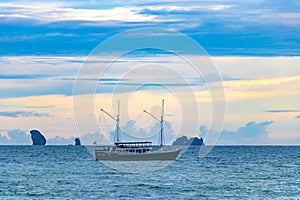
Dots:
{"x": 161, "y": 120}
{"x": 117, "y": 119}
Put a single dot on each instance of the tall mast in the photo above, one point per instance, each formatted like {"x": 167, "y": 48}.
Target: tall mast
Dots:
{"x": 161, "y": 120}
{"x": 117, "y": 119}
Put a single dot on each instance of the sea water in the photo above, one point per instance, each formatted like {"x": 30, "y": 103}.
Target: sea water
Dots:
{"x": 227, "y": 172}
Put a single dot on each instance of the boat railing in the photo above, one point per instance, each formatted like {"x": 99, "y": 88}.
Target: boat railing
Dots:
{"x": 133, "y": 144}
{"x": 133, "y": 150}
{"x": 104, "y": 148}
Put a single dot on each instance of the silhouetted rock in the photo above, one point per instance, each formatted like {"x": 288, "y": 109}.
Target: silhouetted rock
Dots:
{"x": 37, "y": 138}
{"x": 77, "y": 141}
{"x": 184, "y": 141}
{"x": 195, "y": 141}
{"x": 191, "y": 147}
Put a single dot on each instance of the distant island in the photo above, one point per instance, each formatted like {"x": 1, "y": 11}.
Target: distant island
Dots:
{"x": 37, "y": 138}
{"x": 77, "y": 142}
{"x": 184, "y": 141}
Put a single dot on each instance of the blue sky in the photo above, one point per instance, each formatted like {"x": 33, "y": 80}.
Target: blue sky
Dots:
{"x": 223, "y": 27}
{"x": 254, "y": 45}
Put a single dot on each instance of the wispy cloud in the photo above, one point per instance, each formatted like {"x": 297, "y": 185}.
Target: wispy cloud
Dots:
{"x": 51, "y": 12}
{"x": 282, "y": 111}
{"x": 23, "y": 76}
{"x": 56, "y": 75}
{"x": 20, "y": 113}
{"x": 265, "y": 82}
{"x": 297, "y": 117}
{"x": 241, "y": 24}
{"x": 42, "y": 107}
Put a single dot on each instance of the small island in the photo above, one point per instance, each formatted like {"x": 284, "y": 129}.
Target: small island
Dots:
{"x": 37, "y": 138}
{"x": 184, "y": 141}
{"x": 77, "y": 142}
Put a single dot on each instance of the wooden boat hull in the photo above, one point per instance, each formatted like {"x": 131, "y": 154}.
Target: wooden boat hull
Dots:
{"x": 125, "y": 156}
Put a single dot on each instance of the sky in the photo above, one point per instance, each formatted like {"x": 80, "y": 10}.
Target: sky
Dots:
{"x": 254, "y": 46}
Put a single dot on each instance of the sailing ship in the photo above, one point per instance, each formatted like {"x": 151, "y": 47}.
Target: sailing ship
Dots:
{"x": 135, "y": 151}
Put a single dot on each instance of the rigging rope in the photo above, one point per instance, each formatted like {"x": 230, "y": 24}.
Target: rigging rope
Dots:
{"x": 122, "y": 133}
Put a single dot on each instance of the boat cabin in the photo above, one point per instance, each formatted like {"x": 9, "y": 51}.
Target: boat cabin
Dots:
{"x": 136, "y": 147}
{"x": 133, "y": 144}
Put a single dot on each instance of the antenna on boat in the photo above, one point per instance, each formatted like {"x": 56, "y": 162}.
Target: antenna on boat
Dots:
{"x": 161, "y": 120}
{"x": 117, "y": 119}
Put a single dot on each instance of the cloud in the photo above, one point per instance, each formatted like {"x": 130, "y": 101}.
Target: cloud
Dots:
{"x": 20, "y": 137}
{"x": 61, "y": 75}
{"x": 35, "y": 26}
{"x": 251, "y": 133}
{"x": 53, "y": 12}
{"x": 23, "y": 76}
{"x": 15, "y": 137}
{"x": 3, "y": 140}
{"x": 265, "y": 82}
{"x": 282, "y": 111}
{"x": 130, "y": 132}
{"x": 50, "y": 106}
{"x": 20, "y": 113}
{"x": 90, "y": 138}
{"x": 58, "y": 140}
{"x": 180, "y": 10}
{"x": 297, "y": 117}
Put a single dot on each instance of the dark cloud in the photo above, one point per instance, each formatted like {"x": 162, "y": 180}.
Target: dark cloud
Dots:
{"x": 20, "y": 113}
{"x": 297, "y": 117}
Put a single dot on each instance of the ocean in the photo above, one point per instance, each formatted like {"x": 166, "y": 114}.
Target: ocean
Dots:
{"x": 227, "y": 172}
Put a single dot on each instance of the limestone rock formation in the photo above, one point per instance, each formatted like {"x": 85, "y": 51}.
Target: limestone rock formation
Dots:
{"x": 37, "y": 138}
{"x": 77, "y": 141}
{"x": 195, "y": 141}
{"x": 184, "y": 141}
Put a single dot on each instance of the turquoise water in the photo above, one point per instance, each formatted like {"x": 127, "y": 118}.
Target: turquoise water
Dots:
{"x": 228, "y": 172}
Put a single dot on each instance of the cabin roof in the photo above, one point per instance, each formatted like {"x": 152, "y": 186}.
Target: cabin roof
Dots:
{"x": 118, "y": 143}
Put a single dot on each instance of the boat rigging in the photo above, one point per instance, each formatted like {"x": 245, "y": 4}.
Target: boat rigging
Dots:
{"x": 117, "y": 119}
{"x": 134, "y": 151}
{"x": 161, "y": 120}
